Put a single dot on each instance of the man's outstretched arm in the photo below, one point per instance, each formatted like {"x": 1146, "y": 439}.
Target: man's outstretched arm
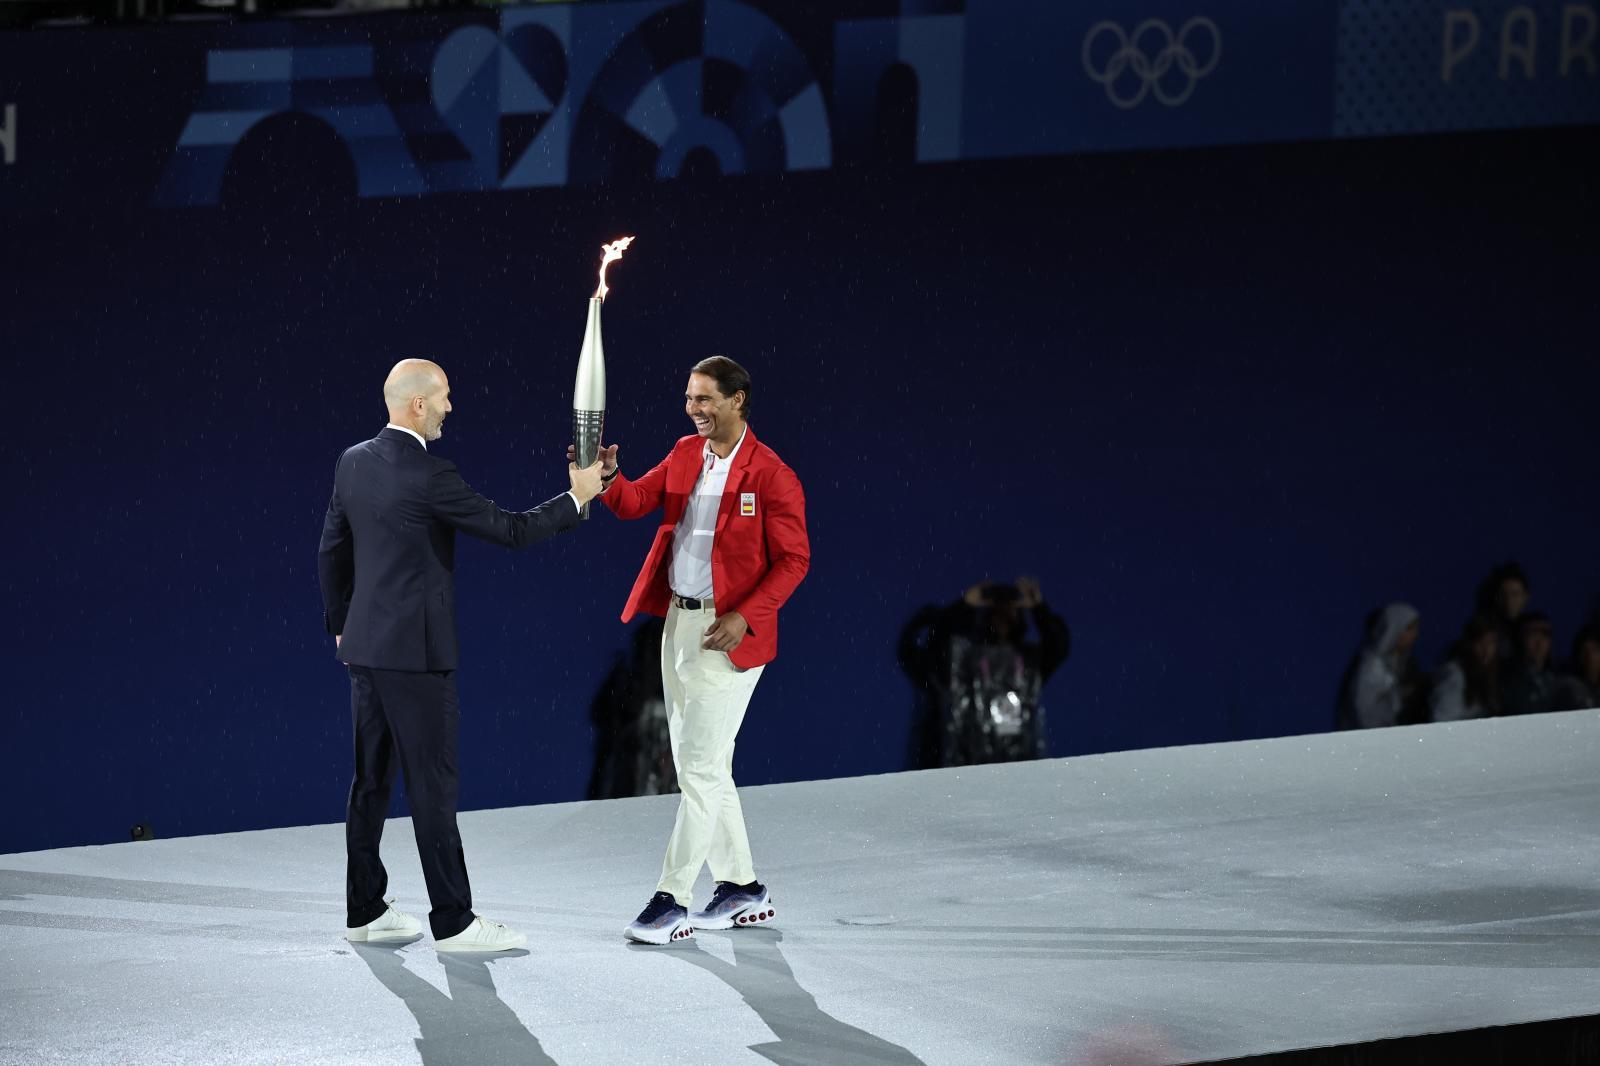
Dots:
{"x": 634, "y": 499}
{"x": 460, "y": 506}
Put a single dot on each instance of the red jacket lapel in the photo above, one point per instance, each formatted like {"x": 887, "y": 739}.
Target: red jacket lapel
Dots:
{"x": 736, "y": 477}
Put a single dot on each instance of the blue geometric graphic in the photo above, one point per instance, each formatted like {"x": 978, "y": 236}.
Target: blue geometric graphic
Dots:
{"x": 332, "y": 83}
{"x": 547, "y": 95}
{"x": 717, "y": 75}
{"x": 932, "y": 46}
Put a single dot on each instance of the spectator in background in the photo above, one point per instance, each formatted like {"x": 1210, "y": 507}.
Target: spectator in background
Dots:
{"x": 1383, "y": 685}
{"x": 979, "y": 677}
{"x": 1502, "y": 597}
{"x": 1528, "y": 686}
{"x": 1580, "y": 688}
{"x": 1468, "y": 683}
{"x": 632, "y": 744}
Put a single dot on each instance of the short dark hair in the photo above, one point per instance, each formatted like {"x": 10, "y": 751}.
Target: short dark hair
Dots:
{"x": 729, "y": 376}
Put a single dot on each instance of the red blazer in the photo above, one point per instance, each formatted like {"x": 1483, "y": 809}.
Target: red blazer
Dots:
{"x": 757, "y": 559}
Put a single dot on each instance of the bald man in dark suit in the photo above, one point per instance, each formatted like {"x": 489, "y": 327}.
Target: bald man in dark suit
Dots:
{"x": 386, "y": 566}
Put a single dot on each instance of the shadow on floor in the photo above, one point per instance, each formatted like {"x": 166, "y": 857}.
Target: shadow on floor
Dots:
{"x": 469, "y": 1026}
{"x": 806, "y": 1033}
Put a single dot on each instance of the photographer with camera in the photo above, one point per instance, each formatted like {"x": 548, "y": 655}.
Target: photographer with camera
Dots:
{"x": 979, "y": 676}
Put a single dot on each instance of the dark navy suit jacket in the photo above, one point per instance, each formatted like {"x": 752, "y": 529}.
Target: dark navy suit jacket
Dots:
{"x": 387, "y": 559}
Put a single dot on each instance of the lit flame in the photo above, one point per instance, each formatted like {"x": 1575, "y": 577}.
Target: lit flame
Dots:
{"x": 613, "y": 251}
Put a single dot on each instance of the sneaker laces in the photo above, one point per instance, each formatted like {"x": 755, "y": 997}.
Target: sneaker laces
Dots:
{"x": 659, "y": 904}
{"x": 725, "y": 891}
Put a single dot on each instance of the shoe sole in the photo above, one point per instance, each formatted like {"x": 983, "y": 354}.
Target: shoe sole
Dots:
{"x": 755, "y": 914}
{"x": 387, "y": 936}
{"x": 659, "y": 937}
{"x": 505, "y": 945}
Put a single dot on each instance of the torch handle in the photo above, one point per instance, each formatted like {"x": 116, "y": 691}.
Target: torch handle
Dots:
{"x": 587, "y": 427}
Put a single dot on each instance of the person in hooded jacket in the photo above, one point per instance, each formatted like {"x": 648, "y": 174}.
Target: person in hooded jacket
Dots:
{"x": 1383, "y": 685}
{"x": 1468, "y": 685}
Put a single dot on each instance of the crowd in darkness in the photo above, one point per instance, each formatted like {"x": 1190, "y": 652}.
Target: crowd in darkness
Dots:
{"x": 979, "y": 664}
{"x": 1502, "y": 663}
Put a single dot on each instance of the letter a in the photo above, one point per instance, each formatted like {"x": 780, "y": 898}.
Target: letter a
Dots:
{"x": 1525, "y": 49}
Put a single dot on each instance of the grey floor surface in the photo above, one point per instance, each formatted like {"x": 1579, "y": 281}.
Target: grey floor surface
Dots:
{"x": 1153, "y": 906}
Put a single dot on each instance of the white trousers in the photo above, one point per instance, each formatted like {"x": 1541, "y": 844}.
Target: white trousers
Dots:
{"x": 706, "y": 697}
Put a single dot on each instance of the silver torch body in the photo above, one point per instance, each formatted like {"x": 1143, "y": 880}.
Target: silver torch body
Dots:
{"x": 589, "y": 394}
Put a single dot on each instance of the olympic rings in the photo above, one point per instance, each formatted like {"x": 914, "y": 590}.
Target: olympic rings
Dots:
{"x": 1131, "y": 56}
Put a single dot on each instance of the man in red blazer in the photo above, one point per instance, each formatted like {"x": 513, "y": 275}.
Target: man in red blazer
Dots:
{"x": 730, "y": 549}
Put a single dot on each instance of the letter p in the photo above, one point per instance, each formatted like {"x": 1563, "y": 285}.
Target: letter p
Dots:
{"x": 1457, "y": 48}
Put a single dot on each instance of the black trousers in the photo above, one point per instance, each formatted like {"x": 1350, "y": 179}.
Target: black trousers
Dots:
{"x": 407, "y": 721}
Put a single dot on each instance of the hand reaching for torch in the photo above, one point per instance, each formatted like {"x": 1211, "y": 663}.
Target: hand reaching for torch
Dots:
{"x": 605, "y": 456}
{"x": 605, "y": 461}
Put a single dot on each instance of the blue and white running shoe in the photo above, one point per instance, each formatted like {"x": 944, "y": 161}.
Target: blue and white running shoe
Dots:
{"x": 733, "y": 905}
{"x": 661, "y": 922}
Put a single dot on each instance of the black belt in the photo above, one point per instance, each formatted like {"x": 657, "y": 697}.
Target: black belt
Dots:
{"x": 686, "y": 604}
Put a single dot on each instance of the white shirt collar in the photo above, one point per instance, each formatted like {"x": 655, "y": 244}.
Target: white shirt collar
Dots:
{"x": 705, "y": 449}
{"x": 414, "y": 433}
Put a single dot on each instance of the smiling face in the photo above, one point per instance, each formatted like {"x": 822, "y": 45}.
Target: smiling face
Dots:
{"x": 716, "y": 417}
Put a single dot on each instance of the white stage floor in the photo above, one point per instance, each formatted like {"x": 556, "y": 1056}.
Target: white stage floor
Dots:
{"x": 1179, "y": 904}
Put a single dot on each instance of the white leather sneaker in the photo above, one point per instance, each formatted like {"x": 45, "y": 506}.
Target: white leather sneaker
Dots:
{"x": 389, "y": 926}
{"x": 483, "y": 935}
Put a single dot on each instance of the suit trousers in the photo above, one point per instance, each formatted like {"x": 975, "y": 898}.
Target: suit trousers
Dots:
{"x": 706, "y": 697}
{"x": 407, "y": 721}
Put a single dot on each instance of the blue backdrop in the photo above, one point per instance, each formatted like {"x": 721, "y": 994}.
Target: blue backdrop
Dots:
{"x": 1221, "y": 401}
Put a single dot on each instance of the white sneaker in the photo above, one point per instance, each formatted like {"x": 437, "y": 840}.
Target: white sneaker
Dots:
{"x": 483, "y": 935}
{"x": 391, "y": 925}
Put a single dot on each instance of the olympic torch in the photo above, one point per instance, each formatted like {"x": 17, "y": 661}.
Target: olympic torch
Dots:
{"x": 589, "y": 387}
